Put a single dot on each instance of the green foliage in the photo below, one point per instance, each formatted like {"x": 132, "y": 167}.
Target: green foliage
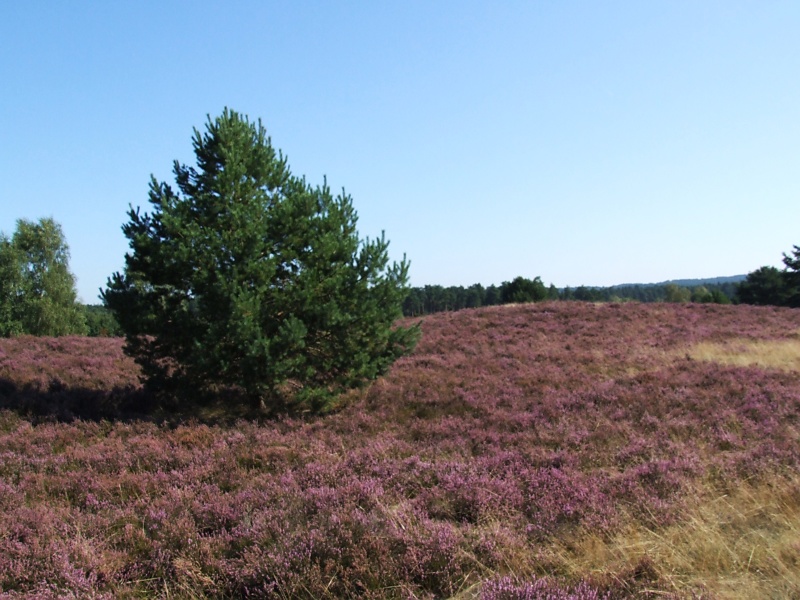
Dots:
{"x": 492, "y": 296}
{"x": 523, "y": 290}
{"x": 769, "y": 285}
{"x": 436, "y": 298}
{"x": 701, "y": 294}
{"x": 676, "y": 293}
{"x": 792, "y": 277}
{"x": 474, "y": 296}
{"x": 10, "y": 289}
{"x": 100, "y": 321}
{"x": 37, "y": 290}
{"x": 719, "y": 297}
{"x": 586, "y": 294}
{"x": 704, "y": 295}
{"x": 765, "y": 286}
{"x": 249, "y": 278}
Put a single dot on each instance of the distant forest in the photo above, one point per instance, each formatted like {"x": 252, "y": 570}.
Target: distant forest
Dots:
{"x": 436, "y": 298}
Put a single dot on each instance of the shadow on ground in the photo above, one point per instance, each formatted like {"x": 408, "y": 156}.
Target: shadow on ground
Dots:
{"x": 60, "y": 403}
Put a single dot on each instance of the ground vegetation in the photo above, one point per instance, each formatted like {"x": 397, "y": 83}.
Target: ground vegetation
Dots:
{"x": 557, "y": 449}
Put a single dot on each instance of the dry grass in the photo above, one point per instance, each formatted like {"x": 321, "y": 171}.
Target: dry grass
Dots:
{"x": 739, "y": 545}
{"x": 783, "y": 354}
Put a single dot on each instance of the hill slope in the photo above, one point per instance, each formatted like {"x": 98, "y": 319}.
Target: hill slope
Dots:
{"x": 565, "y": 447}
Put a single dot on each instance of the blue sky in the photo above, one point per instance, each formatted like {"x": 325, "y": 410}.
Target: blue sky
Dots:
{"x": 589, "y": 143}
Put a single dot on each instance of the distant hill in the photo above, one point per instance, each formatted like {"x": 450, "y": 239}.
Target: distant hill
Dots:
{"x": 690, "y": 282}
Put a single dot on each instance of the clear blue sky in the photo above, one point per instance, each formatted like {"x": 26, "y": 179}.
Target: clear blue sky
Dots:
{"x": 589, "y": 143}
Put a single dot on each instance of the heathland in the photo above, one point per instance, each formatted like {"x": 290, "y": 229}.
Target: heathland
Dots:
{"x": 551, "y": 450}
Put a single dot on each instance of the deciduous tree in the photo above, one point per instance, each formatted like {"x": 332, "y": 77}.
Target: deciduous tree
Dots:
{"x": 676, "y": 293}
{"x": 37, "y": 289}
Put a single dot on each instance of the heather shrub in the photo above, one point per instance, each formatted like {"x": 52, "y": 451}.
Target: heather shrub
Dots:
{"x": 520, "y": 452}
{"x": 539, "y": 589}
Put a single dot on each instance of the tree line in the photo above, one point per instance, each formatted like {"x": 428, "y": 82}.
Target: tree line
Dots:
{"x": 764, "y": 286}
{"x": 436, "y": 298}
{"x": 34, "y": 266}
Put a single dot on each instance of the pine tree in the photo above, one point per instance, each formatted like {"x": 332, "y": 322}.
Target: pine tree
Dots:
{"x": 523, "y": 290}
{"x": 248, "y": 278}
{"x": 792, "y": 276}
{"x": 765, "y": 286}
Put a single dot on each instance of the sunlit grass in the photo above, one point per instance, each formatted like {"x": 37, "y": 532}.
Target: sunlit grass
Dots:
{"x": 781, "y": 354}
{"x": 737, "y": 545}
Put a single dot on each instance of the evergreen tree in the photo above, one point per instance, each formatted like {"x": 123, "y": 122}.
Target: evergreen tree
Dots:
{"x": 249, "y": 278}
{"x": 492, "y": 297}
{"x": 414, "y": 304}
{"x": 792, "y": 277}
{"x": 474, "y": 295}
{"x": 584, "y": 294}
{"x": 523, "y": 290}
{"x": 100, "y": 321}
{"x": 37, "y": 289}
{"x": 719, "y": 297}
{"x": 764, "y": 286}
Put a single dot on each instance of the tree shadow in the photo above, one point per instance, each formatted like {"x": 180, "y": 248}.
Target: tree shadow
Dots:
{"x": 60, "y": 403}
{"x": 63, "y": 404}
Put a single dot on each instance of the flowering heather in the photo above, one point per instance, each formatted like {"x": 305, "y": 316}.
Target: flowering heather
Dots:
{"x": 519, "y": 452}
{"x": 68, "y": 376}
